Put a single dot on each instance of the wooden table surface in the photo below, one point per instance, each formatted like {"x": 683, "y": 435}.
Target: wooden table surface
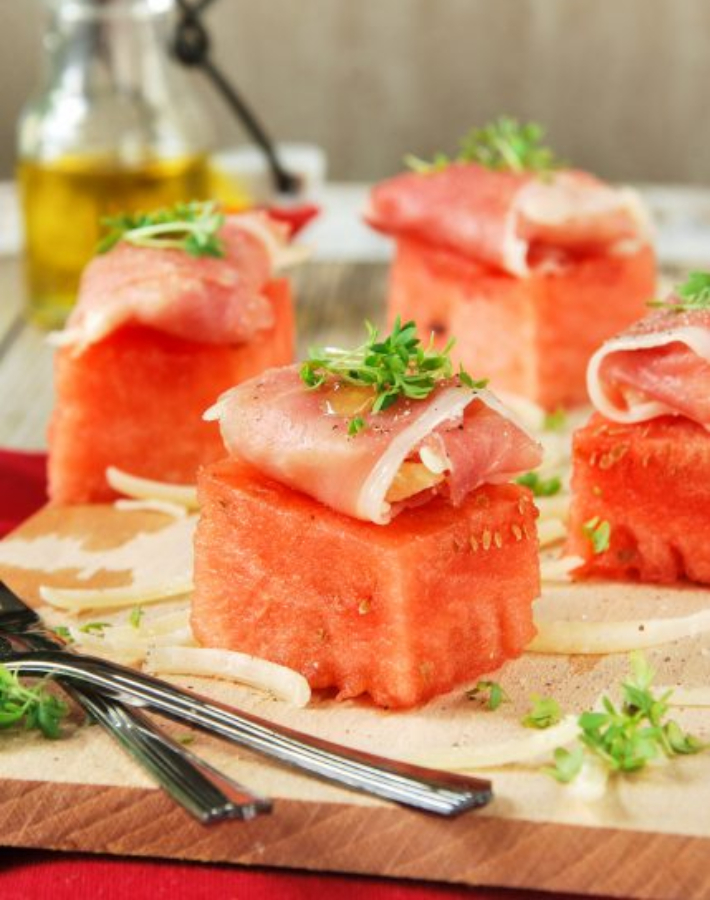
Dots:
{"x": 332, "y": 300}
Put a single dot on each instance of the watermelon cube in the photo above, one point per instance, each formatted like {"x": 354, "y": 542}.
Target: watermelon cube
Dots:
{"x": 531, "y": 336}
{"x": 650, "y": 482}
{"x": 399, "y": 612}
{"x": 135, "y": 400}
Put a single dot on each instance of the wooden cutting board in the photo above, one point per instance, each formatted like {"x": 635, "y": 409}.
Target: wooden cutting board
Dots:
{"x": 648, "y": 838}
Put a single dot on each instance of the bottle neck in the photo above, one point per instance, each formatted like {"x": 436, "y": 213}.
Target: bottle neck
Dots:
{"x": 115, "y": 47}
{"x": 111, "y": 87}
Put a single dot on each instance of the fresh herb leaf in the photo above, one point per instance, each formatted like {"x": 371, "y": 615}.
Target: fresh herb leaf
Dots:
{"x": 392, "y": 367}
{"x": 692, "y": 294}
{"x": 503, "y": 145}
{"x": 598, "y": 532}
{"x": 544, "y": 713}
{"x": 556, "y": 420}
{"x": 627, "y": 737}
{"x": 63, "y": 632}
{"x": 423, "y": 166}
{"x": 541, "y": 487}
{"x": 356, "y": 425}
{"x": 135, "y": 616}
{"x": 567, "y": 764}
{"x": 95, "y": 627}
{"x": 490, "y": 693}
{"x": 192, "y": 227}
{"x": 35, "y": 707}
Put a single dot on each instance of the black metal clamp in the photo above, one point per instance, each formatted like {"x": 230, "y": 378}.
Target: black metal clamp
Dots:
{"x": 191, "y": 47}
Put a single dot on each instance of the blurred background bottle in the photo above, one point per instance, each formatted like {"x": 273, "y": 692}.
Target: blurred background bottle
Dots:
{"x": 114, "y": 127}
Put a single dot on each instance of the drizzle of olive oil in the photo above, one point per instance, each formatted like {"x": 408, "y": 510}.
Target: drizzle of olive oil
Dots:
{"x": 63, "y": 203}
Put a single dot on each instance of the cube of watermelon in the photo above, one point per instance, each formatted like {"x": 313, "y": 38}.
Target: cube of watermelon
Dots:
{"x": 135, "y": 400}
{"x": 650, "y": 482}
{"x": 401, "y": 612}
{"x": 531, "y": 336}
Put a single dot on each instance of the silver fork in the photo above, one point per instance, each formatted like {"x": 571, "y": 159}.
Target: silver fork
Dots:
{"x": 201, "y": 790}
{"x": 426, "y": 789}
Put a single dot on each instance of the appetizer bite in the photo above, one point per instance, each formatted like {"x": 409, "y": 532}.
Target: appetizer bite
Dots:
{"x": 363, "y": 530}
{"x": 641, "y": 466}
{"x": 176, "y": 307}
{"x": 529, "y": 263}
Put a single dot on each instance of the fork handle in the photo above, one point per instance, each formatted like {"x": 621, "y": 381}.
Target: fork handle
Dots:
{"x": 200, "y": 789}
{"x": 426, "y": 789}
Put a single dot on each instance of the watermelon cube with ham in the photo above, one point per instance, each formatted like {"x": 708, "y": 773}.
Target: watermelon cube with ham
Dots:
{"x": 529, "y": 272}
{"x": 646, "y": 485}
{"x": 400, "y": 612}
{"x": 135, "y": 400}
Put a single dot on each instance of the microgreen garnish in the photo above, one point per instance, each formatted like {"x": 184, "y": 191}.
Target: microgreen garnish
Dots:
{"x": 598, "y": 533}
{"x": 567, "y": 764}
{"x": 541, "y": 487}
{"x": 63, "y": 632}
{"x": 356, "y": 425}
{"x": 503, "y": 145}
{"x": 555, "y": 420}
{"x": 393, "y": 367}
{"x": 692, "y": 294}
{"x": 545, "y": 712}
{"x": 35, "y": 707}
{"x": 136, "y": 615}
{"x": 95, "y": 627}
{"x": 490, "y": 693}
{"x": 626, "y": 738}
{"x": 192, "y": 227}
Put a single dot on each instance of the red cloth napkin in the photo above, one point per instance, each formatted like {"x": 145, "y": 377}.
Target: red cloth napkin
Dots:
{"x": 38, "y": 874}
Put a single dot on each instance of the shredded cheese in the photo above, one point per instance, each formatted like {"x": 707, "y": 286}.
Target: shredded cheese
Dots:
{"x": 559, "y": 569}
{"x": 285, "y": 683}
{"x": 148, "y": 489}
{"x": 523, "y": 749}
{"x": 81, "y": 599}
{"x": 162, "y": 506}
{"x": 551, "y": 531}
{"x": 560, "y": 636}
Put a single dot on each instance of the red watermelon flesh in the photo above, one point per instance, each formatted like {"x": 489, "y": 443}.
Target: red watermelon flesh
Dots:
{"x": 531, "y": 336}
{"x": 400, "y": 612}
{"x": 135, "y": 400}
{"x": 651, "y": 482}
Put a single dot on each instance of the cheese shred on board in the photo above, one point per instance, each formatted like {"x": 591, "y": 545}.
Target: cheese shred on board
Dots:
{"x": 148, "y": 489}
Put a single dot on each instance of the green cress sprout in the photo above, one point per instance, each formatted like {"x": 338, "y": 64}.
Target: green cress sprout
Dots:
{"x": 192, "y": 227}
{"x": 35, "y": 707}
{"x": 693, "y": 294}
{"x": 541, "y": 487}
{"x": 598, "y": 533}
{"x": 626, "y": 738}
{"x": 392, "y": 367}
{"x": 490, "y": 693}
{"x": 504, "y": 145}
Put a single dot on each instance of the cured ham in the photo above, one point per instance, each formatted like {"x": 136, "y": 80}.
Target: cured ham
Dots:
{"x": 450, "y": 443}
{"x": 513, "y": 221}
{"x": 206, "y": 299}
{"x": 660, "y": 366}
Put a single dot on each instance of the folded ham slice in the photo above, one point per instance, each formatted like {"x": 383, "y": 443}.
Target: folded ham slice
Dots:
{"x": 208, "y": 299}
{"x": 660, "y": 366}
{"x": 460, "y": 436}
{"x": 500, "y": 218}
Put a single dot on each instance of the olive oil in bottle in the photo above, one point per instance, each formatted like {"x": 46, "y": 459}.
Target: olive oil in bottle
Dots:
{"x": 63, "y": 204}
{"x": 114, "y": 127}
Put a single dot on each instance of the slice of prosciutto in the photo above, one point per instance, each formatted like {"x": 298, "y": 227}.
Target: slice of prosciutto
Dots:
{"x": 450, "y": 443}
{"x": 659, "y": 367}
{"x": 505, "y": 218}
{"x": 208, "y": 299}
